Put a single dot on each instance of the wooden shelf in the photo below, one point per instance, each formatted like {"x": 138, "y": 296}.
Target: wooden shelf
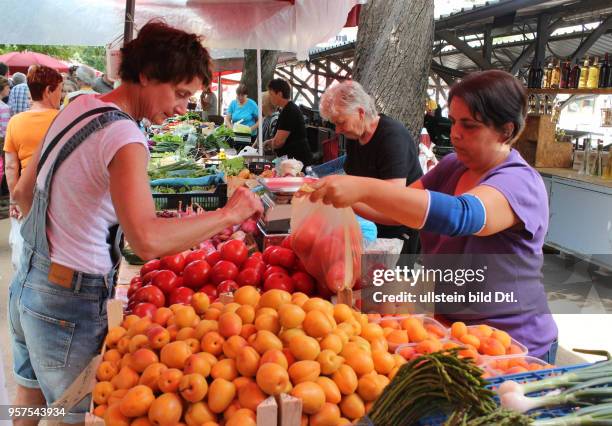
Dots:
{"x": 606, "y": 91}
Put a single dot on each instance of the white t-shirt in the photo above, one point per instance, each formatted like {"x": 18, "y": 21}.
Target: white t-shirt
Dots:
{"x": 80, "y": 209}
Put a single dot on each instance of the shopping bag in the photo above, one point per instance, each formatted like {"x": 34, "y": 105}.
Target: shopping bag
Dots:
{"x": 328, "y": 241}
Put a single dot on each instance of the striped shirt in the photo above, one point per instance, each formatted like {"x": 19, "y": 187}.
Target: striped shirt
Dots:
{"x": 5, "y": 115}
{"x": 19, "y": 99}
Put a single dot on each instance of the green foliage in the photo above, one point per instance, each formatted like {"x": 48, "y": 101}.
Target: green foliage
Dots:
{"x": 93, "y": 56}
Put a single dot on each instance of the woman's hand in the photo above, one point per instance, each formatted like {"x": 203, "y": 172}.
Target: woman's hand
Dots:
{"x": 15, "y": 212}
{"x": 340, "y": 191}
{"x": 243, "y": 205}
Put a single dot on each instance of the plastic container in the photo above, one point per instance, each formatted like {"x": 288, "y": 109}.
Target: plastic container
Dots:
{"x": 513, "y": 364}
{"x": 520, "y": 348}
{"x": 207, "y": 200}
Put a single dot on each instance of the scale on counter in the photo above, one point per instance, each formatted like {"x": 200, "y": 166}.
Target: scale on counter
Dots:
{"x": 277, "y": 202}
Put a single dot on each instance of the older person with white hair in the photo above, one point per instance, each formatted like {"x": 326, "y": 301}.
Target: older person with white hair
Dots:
{"x": 377, "y": 147}
{"x": 85, "y": 77}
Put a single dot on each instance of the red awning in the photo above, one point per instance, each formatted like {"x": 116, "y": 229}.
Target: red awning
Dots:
{"x": 21, "y": 61}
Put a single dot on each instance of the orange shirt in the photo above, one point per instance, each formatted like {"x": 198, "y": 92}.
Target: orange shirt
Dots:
{"x": 25, "y": 131}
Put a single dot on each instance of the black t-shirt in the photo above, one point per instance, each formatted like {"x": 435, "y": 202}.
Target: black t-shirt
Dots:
{"x": 296, "y": 145}
{"x": 390, "y": 154}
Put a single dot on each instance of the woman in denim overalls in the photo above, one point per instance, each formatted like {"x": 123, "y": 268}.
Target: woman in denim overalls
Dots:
{"x": 57, "y": 313}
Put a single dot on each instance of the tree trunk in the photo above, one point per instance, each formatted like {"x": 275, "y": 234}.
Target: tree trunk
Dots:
{"x": 269, "y": 59}
{"x": 392, "y": 57}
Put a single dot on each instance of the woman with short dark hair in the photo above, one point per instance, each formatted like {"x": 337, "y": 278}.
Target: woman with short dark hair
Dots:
{"x": 290, "y": 137}
{"x": 483, "y": 203}
{"x": 90, "y": 177}
{"x": 243, "y": 110}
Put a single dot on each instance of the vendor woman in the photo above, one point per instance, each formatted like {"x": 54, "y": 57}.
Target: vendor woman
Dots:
{"x": 484, "y": 199}
{"x": 243, "y": 110}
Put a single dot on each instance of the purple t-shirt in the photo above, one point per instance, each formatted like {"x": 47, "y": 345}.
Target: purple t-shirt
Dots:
{"x": 514, "y": 256}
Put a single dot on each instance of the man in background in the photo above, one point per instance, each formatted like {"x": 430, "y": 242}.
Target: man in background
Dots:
{"x": 85, "y": 77}
{"x": 19, "y": 98}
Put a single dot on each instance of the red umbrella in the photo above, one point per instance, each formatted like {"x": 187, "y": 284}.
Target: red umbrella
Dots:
{"x": 20, "y": 61}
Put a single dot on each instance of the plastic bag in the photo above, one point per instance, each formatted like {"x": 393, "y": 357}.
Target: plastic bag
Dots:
{"x": 328, "y": 241}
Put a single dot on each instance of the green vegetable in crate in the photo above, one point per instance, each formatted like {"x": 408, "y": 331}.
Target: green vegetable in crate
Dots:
{"x": 429, "y": 384}
{"x": 232, "y": 167}
{"x": 167, "y": 143}
{"x": 499, "y": 417}
{"x": 182, "y": 168}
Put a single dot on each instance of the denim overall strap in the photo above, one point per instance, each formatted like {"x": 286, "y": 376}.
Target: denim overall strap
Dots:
{"x": 34, "y": 225}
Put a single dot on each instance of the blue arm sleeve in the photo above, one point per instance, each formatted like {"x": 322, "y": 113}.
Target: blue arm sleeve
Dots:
{"x": 454, "y": 215}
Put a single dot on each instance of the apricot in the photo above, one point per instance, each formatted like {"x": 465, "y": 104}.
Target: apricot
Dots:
{"x": 458, "y": 330}
{"x": 396, "y": 338}
{"x": 230, "y": 307}
{"x": 291, "y": 316}
{"x": 250, "y": 396}
{"x": 114, "y": 417}
{"x": 116, "y": 396}
{"x": 470, "y": 339}
{"x": 185, "y": 333}
{"x": 142, "y": 358}
{"x": 383, "y": 361}
{"x": 267, "y": 322}
{"x": 274, "y": 299}
{"x": 232, "y": 345}
{"x": 515, "y": 350}
{"x": 225, "y": 369}
{"x": 198, "y": 414}
{"x": 140, "y": 326}
{"x": 186, "y": 316}
{"x": 166, "y": 410}
{"x": 106, "y": 371}
{"x": 360, "y": 361}
{"x": 247, "y": 361}
{"x": 369, "y": 387}
{"x": 212, "y": 314}
{"x": 200, "y": 302}
{"x": 193, "y": 387}
{"x": 100, "y": 410}
{"x": 126, "y": 378}
{"x": 503, "y": 337}
{"x": 330, "y": 388}
{"x": 151, "y": 374}
{"x": 352, "y": 406}
{"x": 304, "y": 371}
{"x": 158, "y": 337}
{"x": 371, "y": 331}
{"x": 329, "y": 414}
{"x": 212, "y": 360}
{"x": 204, "y": 326}
{"x": 428, "y": 346}
{"x": 220, "y": 395}
{"x": 175, "y": 354}
{"x": 329, "y": 361}
{"x": 332, "y": 342}
{"x": 242, "y": 417}
{"x": 247, "y": 295}
{"x": 318, "y": 304}
{"x": 493, "y": 347}
{"x": 169, "y": 380}
{"x": 212, "y": 342}
{"x": 274, "y": 355}
{"x": 272, "y": 378}
{"x": 112, "y": 355}
{"x": 101, "y": 392}
{"x": 289, "y": 333}
{"x": 230, "y": 324}
{"x": 265, "y": 340}
{"x": 137, "y": 401}
{"x": 317, "y": 324}
{"x": 346, "y": 379}
{"x": 246, "y": 314}
{"x": 342, "y": 312}
{"x": 247, "y": 331}
{"x": 299, "y": 298}
{"x": 113, "y": 336}
{"x": 311, "y": 395}
{"x": 162, "y": 315}
{"x": 304, "y": 347}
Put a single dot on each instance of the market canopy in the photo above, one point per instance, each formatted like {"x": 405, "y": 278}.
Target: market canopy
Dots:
{"x": 286, "y": 25}
{"x": 21, "y": 61}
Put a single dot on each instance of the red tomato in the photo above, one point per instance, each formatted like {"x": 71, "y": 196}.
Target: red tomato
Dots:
{"x": 181, "y": 295}
{"x": 196, "y": 274}
{"x": 148, "y": 277}
{"x": 282, "y": 257}
{"x": 256, "y": 264}
{"x": 150, "y": 294}
{"x": 257, "y": 255}
{"x": 135, "y": 279}
{"x": 179, "y": 282}
{"x": 213, "y": 257}
{"x": 175, "y": 263}
{"x": 144, "y": 310}
{"x": 307, "y": 234}
{"x": 235, "y": 251}
{"x": 299, "y": 266}
{"x": 223, "y": 270}
{"x": 195, "y": 255}
{"x": 135, "y": 285}
{"x": 304, "y": 283}
{"x": 335, "y": 277}
{"x": 266, "y": 253}
{"x": 151, "y": 265}
{"x": 227, "y": 286}
{"x": 165, "y": 281}
{"x": 273, "y": 270}
{"x": 287, "y": 242}
{"x": 279, "y": 281}
{"x": 249, "y": 276}
{"x": 210, "y": 290}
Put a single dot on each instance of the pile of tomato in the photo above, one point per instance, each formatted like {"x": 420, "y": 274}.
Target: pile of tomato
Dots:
{"x": 175, "y": 279}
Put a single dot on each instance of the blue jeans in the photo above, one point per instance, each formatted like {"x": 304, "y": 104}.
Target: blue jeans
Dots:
{"x": 55, "y": 331}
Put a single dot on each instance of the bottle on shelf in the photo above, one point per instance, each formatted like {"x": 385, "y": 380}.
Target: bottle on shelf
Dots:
{"x": 574, "y": 76}
{"x": 555, "y": 75}
{"x": 547, "y": 76}
{"x": 593, "y": 80}
{"x": 539, "y": 76}
{"x": 604, "y": 73}
{"x": 584, "y": 74}
{"x": 565, "y": 71}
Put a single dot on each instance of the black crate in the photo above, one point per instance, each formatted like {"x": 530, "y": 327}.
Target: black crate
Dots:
{"x": 207, "y": 200}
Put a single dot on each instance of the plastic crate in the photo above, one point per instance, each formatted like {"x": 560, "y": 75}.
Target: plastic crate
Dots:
{"x": 207, "y": 200}
{"x": 332, "y": 167}
{"x": 532, "y": 376}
